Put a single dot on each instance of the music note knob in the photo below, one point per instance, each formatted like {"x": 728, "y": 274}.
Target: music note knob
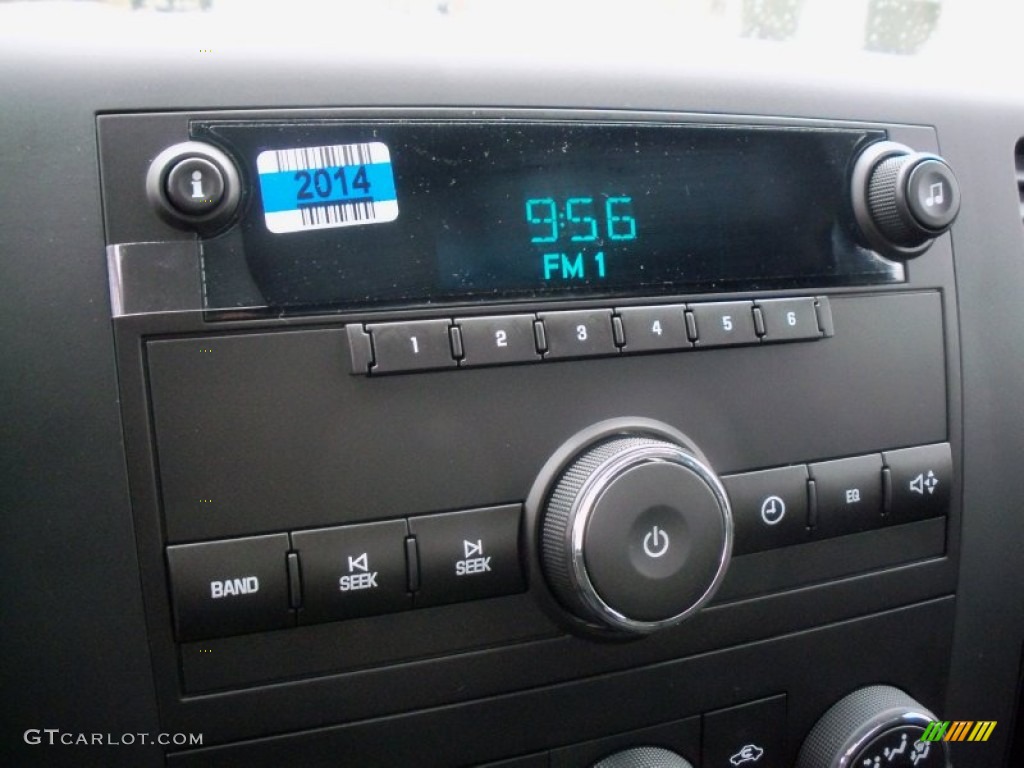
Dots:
{"x": 903, "y": 199}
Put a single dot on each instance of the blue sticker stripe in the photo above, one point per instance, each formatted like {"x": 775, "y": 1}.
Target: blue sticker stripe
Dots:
{"x": 281, "y": 190}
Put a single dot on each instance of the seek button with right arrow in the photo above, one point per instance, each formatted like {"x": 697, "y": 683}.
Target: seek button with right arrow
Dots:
{"x": 467, "y": 555}
{"x": 917, "y": 482}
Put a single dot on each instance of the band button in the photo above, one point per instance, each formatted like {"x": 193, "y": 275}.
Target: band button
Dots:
{"x": 231, "y": 587}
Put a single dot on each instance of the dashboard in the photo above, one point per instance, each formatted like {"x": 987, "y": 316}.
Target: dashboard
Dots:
{"x": 454, "y": 407}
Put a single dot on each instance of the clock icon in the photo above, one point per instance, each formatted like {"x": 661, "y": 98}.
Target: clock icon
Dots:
{"x": 773, "y": 509}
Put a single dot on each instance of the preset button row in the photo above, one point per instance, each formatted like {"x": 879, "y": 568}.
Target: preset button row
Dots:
{"x": 524, "y": 338}
{"x": 791, "y": 505}
{"x": 258, "y": 583}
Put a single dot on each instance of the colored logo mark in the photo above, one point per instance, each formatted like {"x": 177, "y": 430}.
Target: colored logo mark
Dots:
{"x": 958, "y": 730}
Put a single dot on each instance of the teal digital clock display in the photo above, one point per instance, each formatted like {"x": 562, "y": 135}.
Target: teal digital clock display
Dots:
{"x": 418, "y": 212}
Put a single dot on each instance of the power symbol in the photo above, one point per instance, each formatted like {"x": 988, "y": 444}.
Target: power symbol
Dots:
{"x": 656, "y": 542}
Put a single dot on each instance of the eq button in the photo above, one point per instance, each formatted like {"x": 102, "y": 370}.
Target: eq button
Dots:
{"x": 849, "y": 495}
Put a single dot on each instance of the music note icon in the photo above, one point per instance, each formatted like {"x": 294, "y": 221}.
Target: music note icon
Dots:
{"x": 935, "y": 197}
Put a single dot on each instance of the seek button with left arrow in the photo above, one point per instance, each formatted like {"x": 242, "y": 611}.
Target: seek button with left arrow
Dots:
{"x": 352, "y": 570}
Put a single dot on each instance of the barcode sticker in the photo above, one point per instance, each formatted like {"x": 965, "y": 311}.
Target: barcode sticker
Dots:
{"x": 343, "y": 185}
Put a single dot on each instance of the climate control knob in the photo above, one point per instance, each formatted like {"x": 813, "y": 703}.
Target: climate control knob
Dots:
{"x": 644, "y": 757}
{"x": 903, "y": 199}
{"x": 636, "y": 533}
{"x": 875, "y": 727}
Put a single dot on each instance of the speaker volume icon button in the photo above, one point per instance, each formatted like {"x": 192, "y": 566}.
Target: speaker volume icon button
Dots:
{"x": 920, "y": 482}
{"x": 923, "y": 483}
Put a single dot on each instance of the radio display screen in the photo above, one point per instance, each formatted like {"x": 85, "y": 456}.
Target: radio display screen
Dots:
{"x": 354, "y": 214}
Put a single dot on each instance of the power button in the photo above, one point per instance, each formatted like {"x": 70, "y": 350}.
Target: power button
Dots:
{"x": 641, "y": 548}
{"x": 636, "y": 533}
{"x": 656, "y": 543}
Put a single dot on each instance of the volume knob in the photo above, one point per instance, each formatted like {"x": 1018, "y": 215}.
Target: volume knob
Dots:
{"x": 636, "y": 534}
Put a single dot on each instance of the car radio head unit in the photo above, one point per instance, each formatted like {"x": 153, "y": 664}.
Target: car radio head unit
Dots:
{"x": 584, "y": 392}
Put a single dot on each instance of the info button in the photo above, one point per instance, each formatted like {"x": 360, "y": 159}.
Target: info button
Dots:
{"x": 468, "y": 555}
